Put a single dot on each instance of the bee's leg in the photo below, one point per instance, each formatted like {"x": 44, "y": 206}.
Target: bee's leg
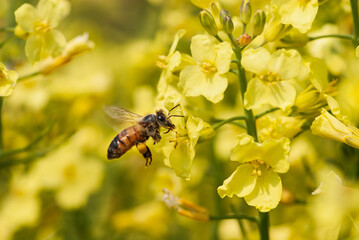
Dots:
{"x": 156, "y": 137}
{"x": 145, "y": 151}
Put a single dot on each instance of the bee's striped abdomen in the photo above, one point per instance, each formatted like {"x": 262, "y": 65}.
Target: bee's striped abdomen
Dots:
{"x": 124, "y": 141}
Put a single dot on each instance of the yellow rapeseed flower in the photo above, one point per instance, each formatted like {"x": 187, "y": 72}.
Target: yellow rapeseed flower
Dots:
{"x": 207, "y": 76}
{"x": 256, "y": 179}
{"x": 298, "y": 13}
{"x": 178, "y": 146}
{"x": 38, "y": 24}
{"x": 270, "y": 86}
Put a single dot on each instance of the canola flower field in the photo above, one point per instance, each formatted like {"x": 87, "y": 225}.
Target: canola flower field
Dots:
{"x": 255, "y": 127}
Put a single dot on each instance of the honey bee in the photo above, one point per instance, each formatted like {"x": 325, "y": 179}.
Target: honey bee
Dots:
{"x": 142, "y": 129}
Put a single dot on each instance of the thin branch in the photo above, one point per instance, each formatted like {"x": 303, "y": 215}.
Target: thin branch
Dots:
{"x": 266, "y": 112}
{"x": 32, "y": 158}
{"x": 220, "y": 124}
{"x": 7, "y": 29}
{"x": 240, "y": 216}
{"x": 25, "y": 77}
{"x": 348, "y": 37}
{"x": 233, "y": 71}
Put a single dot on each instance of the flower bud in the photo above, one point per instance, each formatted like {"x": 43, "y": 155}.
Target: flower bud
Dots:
{"x": 208, "y": 23}
{"x": 19, "y": 32}
{"x": 245, "y": 12}
{"x": 244, "y": 39}
{"x": 224, "y": 13}
{"x": 309, "y": 103}
{"x": 258, "y": 22}
{"x": 215, "y": 9}
{"x": 228, "y": 24}
{"x": 275, "y": 30}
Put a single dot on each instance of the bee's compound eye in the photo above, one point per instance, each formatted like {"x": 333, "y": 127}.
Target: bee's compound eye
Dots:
{"x": 161, "y": 118}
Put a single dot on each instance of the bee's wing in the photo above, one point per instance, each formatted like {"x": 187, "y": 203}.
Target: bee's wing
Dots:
{"x": 121, "y": 115}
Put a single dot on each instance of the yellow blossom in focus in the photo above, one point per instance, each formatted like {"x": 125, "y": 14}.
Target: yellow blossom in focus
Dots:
{"x": 257, "y": 179}
{"x": 207, "y": 77}
{"x": 178, "y": 145}
{"x": 299, "y": 13}
{"x": 39, "y": 23}
{"x": 8, "y": 80}
{"x": 270, "y": 85}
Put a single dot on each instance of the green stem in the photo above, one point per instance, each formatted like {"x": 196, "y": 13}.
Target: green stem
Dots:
{"x": 355, "y": 15}
{"x": 263, "y": 223}
{"x": 263, "y": 219}
{"x": 348, "y": 37}
{"x": 266, "y": 112}
{"x": 1, "y": 133}
{"x": 7, "y": 29}
{"x": 25, "y": 77}
{"x": 250, "y": 121}
{"x": 220, "y": 124}
{"x": 240, "y": 216}
{"x": 218, "y": 38}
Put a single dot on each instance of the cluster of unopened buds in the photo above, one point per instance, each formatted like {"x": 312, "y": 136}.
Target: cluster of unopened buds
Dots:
{"x": 215, "y": 19}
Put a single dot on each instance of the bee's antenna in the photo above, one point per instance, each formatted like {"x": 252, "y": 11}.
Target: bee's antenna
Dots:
{"x": 172, "y": 109}
{"x": 175, "y": 116}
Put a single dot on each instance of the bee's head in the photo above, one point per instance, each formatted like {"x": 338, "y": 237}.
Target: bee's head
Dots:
{"x": 164, "y": 121}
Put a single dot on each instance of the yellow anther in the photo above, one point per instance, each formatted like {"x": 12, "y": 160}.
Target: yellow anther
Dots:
{"x": 208, "y": 68}
{"x": 259, "y": 173}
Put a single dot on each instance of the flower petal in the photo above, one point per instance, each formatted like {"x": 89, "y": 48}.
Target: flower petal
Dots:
{"x": 256, "y": 95}
{"x": 300, "y": 15}
{"x": 240, "y": 183}
{"x": 224, "y": 55}
{"x": 276, "y": 153}
{"x": 181, "y": 159}
{"x": 281, "y": 94}
{"x": 245, "y": 149}
{"x": 286, "y": 63}
{"x": 214, "y": 88}
{"x": 25, "y": 16}
{"x": 194, "y": 83}
{"x": 203, "y": 49}
{"x": 318, "y": 73}
{"x": 180, "y": 33}
{"x": 267, "y": 192}
{"x": 256, "y": 60}
{"x": 53, "y": 11}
